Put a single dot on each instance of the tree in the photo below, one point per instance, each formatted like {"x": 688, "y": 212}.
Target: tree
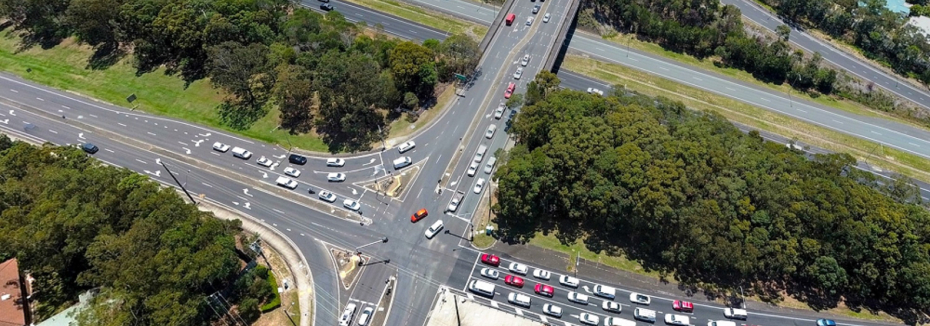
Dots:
{"x": 243, "y": 71}
{"x": 544, "y": 84}
{"x": 294, "y": 95}
{"x": 461, "y": 54}
{"x": 515, "y": 101}
{"x": 411, "y": 101}
{"x": 41, "y": 19}
{"x": 413, "y": 68}
{"x": 783, "y": 32}
{"x": 93, "y": 20}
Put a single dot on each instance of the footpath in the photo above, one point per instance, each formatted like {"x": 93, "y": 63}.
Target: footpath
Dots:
{"x": 294, "y": 260}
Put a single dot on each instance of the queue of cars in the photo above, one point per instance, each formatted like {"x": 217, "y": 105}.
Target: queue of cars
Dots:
{"x": 641, "y": 302}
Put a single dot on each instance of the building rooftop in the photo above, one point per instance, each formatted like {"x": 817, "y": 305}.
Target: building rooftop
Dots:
{"x": 12, "y": 308}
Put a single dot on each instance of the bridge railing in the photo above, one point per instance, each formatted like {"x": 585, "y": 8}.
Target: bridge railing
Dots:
{"x": 560, "y": 43}
{"x": 495, "y": 26}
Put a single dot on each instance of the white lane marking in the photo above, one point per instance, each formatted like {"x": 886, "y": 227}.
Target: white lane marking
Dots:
{"x": 875, "y": 132}
{"x": 206, "y": 185}
{"x": 121, "y": 124}
{"x": 837, "y": 122}
{"x": 150, "y": 133}
{"x": 66, "y": 107}
{"x": 912, "y": 144}
{"x": 698, "y": 79}
{"x": 109, "y": 150}
{"x": 52, "y": 131}
{"x": 81, "y": 135}
{"x": 94, "y": 116}
{"x": 802, "y": 111}
{"x": 764, "y": 99}
{"x": 40, "y": 99}
{"x": 141, "y": 161}
{"x": 663, "y": 68}
{"x": 13, "y": 90}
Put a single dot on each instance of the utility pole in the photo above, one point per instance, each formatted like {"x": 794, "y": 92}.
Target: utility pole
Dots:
{"x": 457, "y": 317}
{"x": 381, "y": 133}
{"x": 179, "y": 183}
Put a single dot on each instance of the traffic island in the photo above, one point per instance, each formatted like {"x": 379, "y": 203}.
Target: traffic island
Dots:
{"x": 348, "y": 265}
{"x": 395, "y": 184}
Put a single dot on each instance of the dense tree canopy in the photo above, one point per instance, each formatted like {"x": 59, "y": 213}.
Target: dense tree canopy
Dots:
{"x": 350, "y": 82}
{"x": 78, "y": 224}
{"x": 688, "y": 193}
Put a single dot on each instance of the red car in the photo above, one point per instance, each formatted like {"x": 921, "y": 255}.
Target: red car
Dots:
{"x": 683, "y": 306}
{"x": 544, "y": 290}
{"x": 419, "y": 215}
{"x": 490, "y": 260}
{"x": 510, "y": 89}
{"x": 514, "y": 281}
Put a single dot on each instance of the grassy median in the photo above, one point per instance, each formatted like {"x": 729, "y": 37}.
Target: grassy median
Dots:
{"x": 754, "y": 117}
{"x": 451, "y": 25}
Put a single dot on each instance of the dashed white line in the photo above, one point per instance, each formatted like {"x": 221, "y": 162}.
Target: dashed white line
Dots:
{"x": 837, "y": 121}
{"x": 141, "y": 161}
{"x": 663, "y": 68}
{"x": 729, "y": 88}
{"x": 278, "y": 210}
{"x": 150, "y": 133}
{"x": 915, "y": 145}
{"x": 109, "y": 150}
{"x": 764, "y": 99}
{"x": 66, "y": 107}
{"x": 94, "y": 116}
{"x": 52, "y": 131}
{"x": 206, "y": 185}
{"x": 40, "y": 99}
{"x": 802, "y": 111}
{"x": 875, "y": 132}
{"x": 121, "y": 124}
{"x": 599, "y": 49}
{"x": 13, "y": 90}
{"x": 698, "y": 79}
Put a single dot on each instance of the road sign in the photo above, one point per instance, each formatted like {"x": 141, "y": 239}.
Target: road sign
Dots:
{"x": 131, "y": 97}
{"x": 460, "y": 77}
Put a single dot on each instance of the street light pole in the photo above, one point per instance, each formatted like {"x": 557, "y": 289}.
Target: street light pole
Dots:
{"x": 358, "y": 249}
{"x": 178, "y": 182}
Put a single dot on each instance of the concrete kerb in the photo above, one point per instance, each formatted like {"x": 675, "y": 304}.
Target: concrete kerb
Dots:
{"x": 277, "y": 241}
{"x": 290, "y": 195}
{"x": 280, "y": 243}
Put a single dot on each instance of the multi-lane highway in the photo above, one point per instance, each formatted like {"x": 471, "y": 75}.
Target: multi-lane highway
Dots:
{"x": 838, "y": 58}
{"x": 441, "y": 158}
{"x": 900, "y": 136}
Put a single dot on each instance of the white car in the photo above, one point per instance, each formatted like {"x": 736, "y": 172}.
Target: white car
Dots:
{"x": 518, "y": 268}
{"x": 611, "y": 306}
{"x": 640, "y": 298}
{"x": 526, "y": 60}
{"x": 336, "y": 177}
{"x": 518, "y": 74}
{"x": 472, "y": 169}
{"x": 578, "y": 297}
{"x": 529, "y": 21}
{"x": 433, "y": 229}
{"x": 490, "y": 133}
{"x": 546, "y": 18}
{"x": 327, "y": 196}
{"x": 351, "y": 204}
{"x": 292, "y": 172}
{"x": 490, "y": 273}
{"x": 553, "y": 311}
{"x": 365, "y": 317}
{"x": 589, "y": 319}
{"x": 336, "y": 162}
{"x": 734, "y": 313}
{"x": 499, "y": 112}
{"x": 592, "y": 90}
{"x": 456, "y": 200}
{"x": 406, "y": 146}
{"x": 541, "y": 274}
{"x": 218, "y": 146}
{"x": 519, "y": 299}
{"x": 263, "y": 161}
{"x": 569, "y": 281}
{"x": 679, "y": 320}
{"x": 479, "y": 186}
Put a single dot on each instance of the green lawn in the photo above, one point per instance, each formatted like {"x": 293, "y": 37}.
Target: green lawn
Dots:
{"x": 65, "y": 67}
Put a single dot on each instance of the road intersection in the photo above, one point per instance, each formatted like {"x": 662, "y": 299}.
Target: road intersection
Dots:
{"x": 142, "y": 142}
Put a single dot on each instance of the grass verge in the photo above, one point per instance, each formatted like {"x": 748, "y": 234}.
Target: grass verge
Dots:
{"x": 625, "y": 40}
{"x": 403, "y": 127}
{"x": 578, "y": 248}
{"x": 434, "y": 19}
{"x": 754, "y": 117}
{"x": 65, "y": 67}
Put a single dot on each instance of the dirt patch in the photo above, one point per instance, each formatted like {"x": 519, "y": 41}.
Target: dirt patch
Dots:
{"x": 394, "y": 184}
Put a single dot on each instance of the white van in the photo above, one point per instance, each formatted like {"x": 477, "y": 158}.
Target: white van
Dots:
{"x": 402, "y": 162}
{"x": 734, "y": 313}
{"x": 605, "y": 291}
{"x": 347, "y": 315}
{"x": 480, "y": 154}
{"x": 241, "y": 153}
{"x": 645, "y": 315}
{"x": 721, "y": 323}
{"x": 490, "y": 165}
{"x": 482, "y": 288}
{"x": 287, "y": 182}
{"x": 616, "y": 321}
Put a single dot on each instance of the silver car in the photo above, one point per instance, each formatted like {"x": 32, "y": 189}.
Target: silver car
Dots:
{"x": 499, "y": 112}
{"x": 327, "y": 196}
{"x": 546, "y": 18}
{"x": 518, "y": 74}
{"x": 490, "y": 273}
{"x": 336, "y": 177}
{"x": 479, "y": 185}
{"x": 351, "y": 204}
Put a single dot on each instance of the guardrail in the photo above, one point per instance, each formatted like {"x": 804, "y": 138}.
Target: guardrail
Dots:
{"x": 495, "y": 26}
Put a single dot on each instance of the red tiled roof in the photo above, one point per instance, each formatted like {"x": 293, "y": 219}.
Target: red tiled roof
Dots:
{"x": 11, "y": 295}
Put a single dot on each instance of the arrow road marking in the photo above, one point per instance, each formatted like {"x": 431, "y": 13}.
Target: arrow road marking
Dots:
{"x": 354, "y": 192}
{"x": 279, "y": 157}
{"x": 369, "y": 162}
{"x": 13, "y": 112}
{"x": 157, "y": 161}
{"x": 246, "y": 205}
{"x": 202, "y": 135}
{"x": 264, "y": 175}
{"x": 197, "y": 142}
{"x": 187, "y": 150}
{"x": 6, "y": 121}
{"x": 246, "y": 192}
{"x": 81, "y": 136}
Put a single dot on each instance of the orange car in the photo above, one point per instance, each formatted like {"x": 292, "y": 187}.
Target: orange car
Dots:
{"x": 419, "y": 215}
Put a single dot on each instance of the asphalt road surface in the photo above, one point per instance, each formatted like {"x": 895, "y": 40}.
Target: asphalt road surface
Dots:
{"x": 141, "y": 142}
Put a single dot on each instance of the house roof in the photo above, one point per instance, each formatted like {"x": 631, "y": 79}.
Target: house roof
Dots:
{"x": 11, "y": 301}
